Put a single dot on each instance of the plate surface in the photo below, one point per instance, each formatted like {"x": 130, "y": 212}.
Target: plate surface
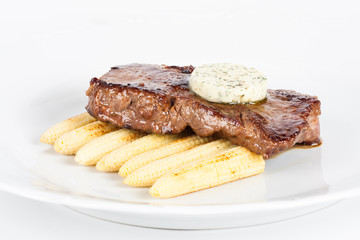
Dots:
{"x": 295, "y": 182}
{"x": 48, "y": 59}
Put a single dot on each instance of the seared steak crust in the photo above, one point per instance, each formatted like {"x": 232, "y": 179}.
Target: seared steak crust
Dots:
{"x": 157, "y": 99}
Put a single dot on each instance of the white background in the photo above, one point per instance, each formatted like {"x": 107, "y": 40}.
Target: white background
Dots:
{"x": 287, "y": 40}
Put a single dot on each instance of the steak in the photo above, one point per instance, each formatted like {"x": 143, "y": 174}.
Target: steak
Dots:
{"x": 157, "y": 99}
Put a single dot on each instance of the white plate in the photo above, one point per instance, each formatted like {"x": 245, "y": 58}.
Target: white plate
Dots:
{"x": 295, "y": 182}
{"x": 48, "y": 57}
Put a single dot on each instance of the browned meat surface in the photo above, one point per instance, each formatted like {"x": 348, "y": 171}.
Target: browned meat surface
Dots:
{"x": 156, "y": 98}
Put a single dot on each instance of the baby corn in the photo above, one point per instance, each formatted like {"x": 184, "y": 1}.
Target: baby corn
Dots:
{"x": 92, "y": 152}
{"x": 65, "y": 126}
{"x": 71, "y": 142}
{"x": 234, "y": 164}
{"x": 114, "y": 160}
{"x": 147, "y": 175}
{"x": 174, "y": 147}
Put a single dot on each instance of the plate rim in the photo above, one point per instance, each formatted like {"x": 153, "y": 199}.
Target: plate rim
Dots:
{"x": 69, "y": 199}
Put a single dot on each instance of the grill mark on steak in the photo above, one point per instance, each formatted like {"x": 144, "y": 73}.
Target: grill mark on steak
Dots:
{"x": 156, "y": 98}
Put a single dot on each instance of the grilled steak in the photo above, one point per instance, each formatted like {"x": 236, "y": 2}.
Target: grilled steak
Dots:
{"x": 157, "y": 99}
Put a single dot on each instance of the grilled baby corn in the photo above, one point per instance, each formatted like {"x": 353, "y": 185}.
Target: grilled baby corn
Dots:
{"x": 234, "y": 164}
{"x": 92, "y": 152}
{"x": 172, "y": 164}
{"x": 71, "y": 142}
{"x": 147, "y": 175}
{"x": 114, "y": 160}
{"x": 174, "y": 147}
{"x": 65, "y": 126}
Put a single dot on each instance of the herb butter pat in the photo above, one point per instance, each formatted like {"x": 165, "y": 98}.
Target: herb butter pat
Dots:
{"x": 228, "y": 83}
